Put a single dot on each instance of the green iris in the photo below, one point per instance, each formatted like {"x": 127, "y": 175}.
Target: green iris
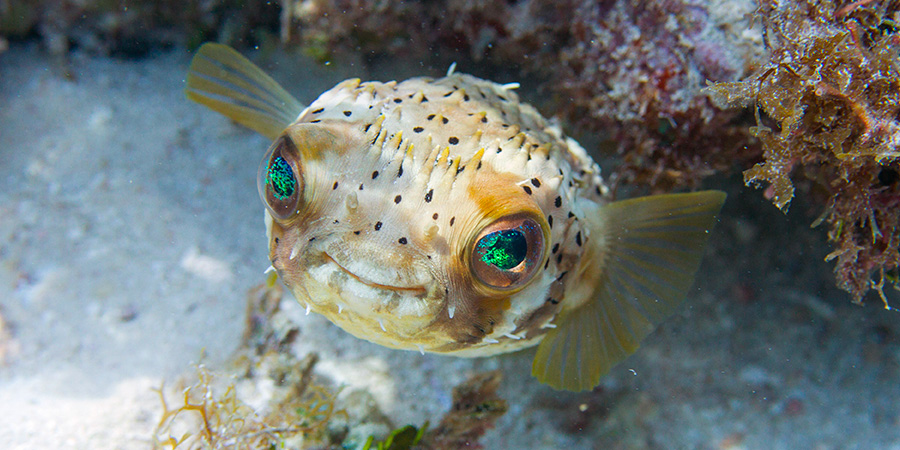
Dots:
{"x": 281, "y": 177}
{"x": 503, "y": 249}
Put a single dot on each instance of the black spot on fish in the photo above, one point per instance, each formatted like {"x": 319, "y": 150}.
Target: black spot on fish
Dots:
{"x": 315, "y": 121}
{"x": 453, "y": 140}
{"x": 466, "y": 97}
{"x": 559, "y": 258}
{"x": 418, "y": 129}
{"x": 578, "y": 238}
{"x": 527, "y": 189}
{"x": 276, "y": 240}
{"x": 398, "y": 100}
{"x": 435, "y": 216}
{"x": 428, "y": 195}
{"x": 318, "y": 110}
{"x": 555, "y": 248}
{"x": 448, "y": 94}
{"x": 444, "y": 120}
{"x": 546, "y": 264}
{"x": 571, "y": 214}
{"x": 478, "y": 166}
{"x": 347, "y": 113}
{"x": 366, "y": 129}
{"x": 374, "y": 174}
{"x": 397, "y": 199}
{"x": 402, "y": 241}
{"x": 535, "y": 182}
{"x": 483, "y": 119}
{"x": 356, "y": 232}
{"x": 334, "y": 186}
{"x": 560, "y": 277}
{"x": 430, "y": 116}
{"x": 377, "y": 226}
{"x": 360, "y": 187}
{"x": 424, "y": 99}
{"x": 452, "y": 219}
{"x": 550, "y": 221}
{"x": 557, "y": 202}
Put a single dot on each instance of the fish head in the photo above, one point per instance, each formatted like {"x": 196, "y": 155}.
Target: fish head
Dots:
{"x": 427, "y": 257}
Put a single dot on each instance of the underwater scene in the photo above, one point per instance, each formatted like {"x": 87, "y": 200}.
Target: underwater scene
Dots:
{"x": 450, "y": 224}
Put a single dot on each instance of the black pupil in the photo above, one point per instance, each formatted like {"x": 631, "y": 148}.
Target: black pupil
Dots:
{"x": 503, "y": 249}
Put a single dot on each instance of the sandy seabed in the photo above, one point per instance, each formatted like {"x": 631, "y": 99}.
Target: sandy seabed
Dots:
{"x": 131, "y": 231}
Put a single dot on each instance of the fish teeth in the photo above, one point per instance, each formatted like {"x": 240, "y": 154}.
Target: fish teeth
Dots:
{"x": 340, "y": 308}
{"x": 490, "y": 341}
{"x": 307, "y": 309}
{"x": 295, "y": 251}
{"x": 509, "y": 86}
{"x": 451, "y": 310}
{"x": 421, "y": 348}
{"x": 381, "y": 324}
{"x": 513, "y": 336}
{"x": 451, "y": 69}
{"x": 548, "y": 325}
{"x": 270, "y": 269}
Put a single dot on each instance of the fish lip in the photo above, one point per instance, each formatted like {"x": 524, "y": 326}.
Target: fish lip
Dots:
{"x": 415, "y": 290}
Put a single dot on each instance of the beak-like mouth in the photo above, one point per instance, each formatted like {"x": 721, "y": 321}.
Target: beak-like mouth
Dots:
{"x": 413, "y": 290}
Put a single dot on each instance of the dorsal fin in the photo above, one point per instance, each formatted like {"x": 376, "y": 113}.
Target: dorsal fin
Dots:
{"x": 652, "y": 247}
{"x": 226, "y": 82}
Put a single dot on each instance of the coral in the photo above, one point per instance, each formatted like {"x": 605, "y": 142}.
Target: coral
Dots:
{"x": 293, "y": 409}
{"x": 828, "y": 114}
{"x": 213, "y": 417}
{"x": 476, "y": 407}
{"x": 135, "y": 27}
{"x": 635, "y": 73}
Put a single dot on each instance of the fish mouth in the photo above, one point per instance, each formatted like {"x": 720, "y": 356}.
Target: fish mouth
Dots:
{"x": 411, "y": 290}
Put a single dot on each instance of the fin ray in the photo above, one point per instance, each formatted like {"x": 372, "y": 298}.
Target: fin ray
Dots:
{"x": 223, "y": 80}
{"x": 652, "y": 247}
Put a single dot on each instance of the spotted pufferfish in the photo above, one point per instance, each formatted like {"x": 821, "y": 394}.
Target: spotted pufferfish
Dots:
{"x": 444, "y": 215}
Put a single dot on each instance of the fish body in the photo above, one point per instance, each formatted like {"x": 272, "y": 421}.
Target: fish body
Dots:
{"x": 444, "y": 215}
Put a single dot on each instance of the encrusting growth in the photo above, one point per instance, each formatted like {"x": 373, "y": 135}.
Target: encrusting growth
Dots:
{"x": 828, "y": 115}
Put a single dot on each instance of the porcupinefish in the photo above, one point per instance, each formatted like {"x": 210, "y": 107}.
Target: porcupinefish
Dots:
{"x": 444, "y": 215}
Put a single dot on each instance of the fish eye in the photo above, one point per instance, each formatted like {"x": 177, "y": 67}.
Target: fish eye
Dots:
{"x": 508, "y": 252}
{"x": 279, "y": 181}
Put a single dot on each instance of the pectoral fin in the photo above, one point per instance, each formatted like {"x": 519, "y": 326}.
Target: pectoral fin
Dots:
{"x": 226, "y": 82}
{"x": 652, "y": 247}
